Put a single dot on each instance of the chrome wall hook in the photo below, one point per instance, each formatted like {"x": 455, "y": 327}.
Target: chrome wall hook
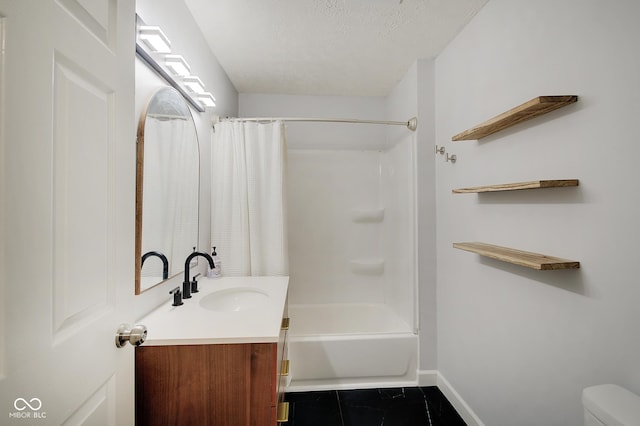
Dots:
{"x": 451, "y": 158}
{"x": 440, "y": 150}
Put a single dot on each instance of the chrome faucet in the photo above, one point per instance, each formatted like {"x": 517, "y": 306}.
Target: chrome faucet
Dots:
{"x": 165, "y": 262}
{"x": 186, "y": 284}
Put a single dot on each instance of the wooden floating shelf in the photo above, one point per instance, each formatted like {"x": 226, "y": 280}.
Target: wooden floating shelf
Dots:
{"x": 526, "y": 111}
{"x": 518, "y": 257}
{"x": 536, "y": 184}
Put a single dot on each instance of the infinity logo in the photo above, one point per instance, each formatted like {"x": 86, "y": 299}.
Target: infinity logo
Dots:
{"x": 21, "y": 404}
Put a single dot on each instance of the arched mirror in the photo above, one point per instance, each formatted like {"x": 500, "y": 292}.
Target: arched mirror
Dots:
{"x": 167, "y": 188}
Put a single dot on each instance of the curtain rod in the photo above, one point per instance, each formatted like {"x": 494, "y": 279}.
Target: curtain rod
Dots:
{"x": 411, "y": 124}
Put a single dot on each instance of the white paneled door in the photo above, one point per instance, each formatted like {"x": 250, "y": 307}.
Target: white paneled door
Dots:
{"x": 67, "y": 156}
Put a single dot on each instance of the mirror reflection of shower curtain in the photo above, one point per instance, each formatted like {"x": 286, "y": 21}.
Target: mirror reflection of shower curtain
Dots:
{"x": 168, "y": 193}
{"x": 248, "y": 199}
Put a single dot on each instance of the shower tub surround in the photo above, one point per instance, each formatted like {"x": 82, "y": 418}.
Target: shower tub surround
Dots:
{"x": 352, "y": 267}
{"x": 342, "y": 346}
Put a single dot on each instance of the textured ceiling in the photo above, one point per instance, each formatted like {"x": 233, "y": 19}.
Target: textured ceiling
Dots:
{"x": 326, "y": 47}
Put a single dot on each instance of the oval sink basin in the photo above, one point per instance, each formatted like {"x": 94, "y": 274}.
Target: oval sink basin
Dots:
{"x": 234, "y": 299}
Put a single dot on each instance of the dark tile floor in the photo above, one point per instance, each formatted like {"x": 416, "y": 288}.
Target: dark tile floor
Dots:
{"x": 368, "y": 407}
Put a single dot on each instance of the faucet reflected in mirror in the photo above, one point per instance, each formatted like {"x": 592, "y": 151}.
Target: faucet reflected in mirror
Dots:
{"x": 163, "y": 258}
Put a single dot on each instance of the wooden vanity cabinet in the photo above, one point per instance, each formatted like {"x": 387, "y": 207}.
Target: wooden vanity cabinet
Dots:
{"x": 221, "y": 384}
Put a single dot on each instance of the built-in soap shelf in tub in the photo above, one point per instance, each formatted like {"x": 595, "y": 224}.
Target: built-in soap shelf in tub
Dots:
{"x": 365, "y": 215}
{"x": 367, "y": 266}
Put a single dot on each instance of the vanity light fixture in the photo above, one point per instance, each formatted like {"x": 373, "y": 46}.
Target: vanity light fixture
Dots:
{"x": 206, "y": 99}
{"x": 154, "y": 38}
{"x": 177, "y": 65}
{"x": 154, "y": 48}
{"x": 194, "y": 84}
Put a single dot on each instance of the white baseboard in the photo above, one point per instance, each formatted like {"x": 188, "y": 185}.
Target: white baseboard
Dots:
{"x": 435, "y": 378}
{"x": 428, "y": 378}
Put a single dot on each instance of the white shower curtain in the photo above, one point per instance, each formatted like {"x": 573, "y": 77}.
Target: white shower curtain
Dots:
{"x": 248, "y": 198}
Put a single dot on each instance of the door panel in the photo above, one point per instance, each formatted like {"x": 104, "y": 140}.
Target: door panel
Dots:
{"x": 97, "y": 409}
{"x": 97, "y": 16}
{"x": 81, "y": 290}
{"x": 67, "y": 210}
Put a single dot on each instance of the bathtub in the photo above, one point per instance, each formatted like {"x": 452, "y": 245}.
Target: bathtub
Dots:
{"x": 348, "y": 346}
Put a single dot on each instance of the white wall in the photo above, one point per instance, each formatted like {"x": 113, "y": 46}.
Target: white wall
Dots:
{"x": 177, "y": 22}
{"x": 413, "y": 96}
{"x": 519, "y": 345}
{"x": 426, "y": 210}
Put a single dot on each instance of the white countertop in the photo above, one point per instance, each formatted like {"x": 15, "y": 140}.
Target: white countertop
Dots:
{"x": 191, "y": 324}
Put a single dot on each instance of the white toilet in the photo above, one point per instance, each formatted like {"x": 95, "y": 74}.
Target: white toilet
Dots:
{"x": 610, "y": 405}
